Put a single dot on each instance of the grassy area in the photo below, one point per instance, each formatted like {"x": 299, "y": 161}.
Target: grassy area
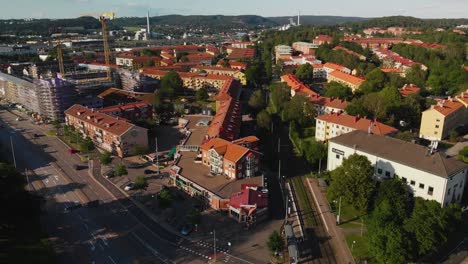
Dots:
{"x": 305, "y": 202}
{"x": 51, "y": 133}
{"x": 132, "y": 29}
{"x": 358, "y": 245}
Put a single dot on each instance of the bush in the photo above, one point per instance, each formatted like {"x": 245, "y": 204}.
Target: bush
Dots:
{"x": 105, "y": 157}
{"x": 275, "y": 242}
{"x": 165, "y": 198}
{"x": 120, "y": 170}
{"x": 140, "y": 183}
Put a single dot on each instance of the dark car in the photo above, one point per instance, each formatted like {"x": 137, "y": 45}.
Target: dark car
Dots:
{"x": 36, "y": 135}
{"x": 149, "y": 171}
{"x": 109, "y": 174}
{"x": 186, "y": 229}
{"x": 79, "y": 167}
{"x": 135, "y": 165}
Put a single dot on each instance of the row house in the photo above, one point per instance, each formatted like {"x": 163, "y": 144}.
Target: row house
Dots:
{"x": 330, "y": 66}
{"x": 392, "y": 59}
{"x": 350, "y": 52}
{"x": 301, "y": 59}
{"x": 349, "y": 80}
{"x": 230, "y": 159}
{"x": 322, "y": 40}
{"x": 240, "y": 54}
{"x": 375, "y": 43}
{"x": 131, "y": 111}
{"x": 332, "y": 125}
{"x": 109, "y": 133}
{"x": 445, "y": 116}
{"x": 428, "y": 174}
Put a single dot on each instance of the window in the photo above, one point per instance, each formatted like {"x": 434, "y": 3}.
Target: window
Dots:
{"x": 379, "y": 171}
{"x": 413, "y": 183}
{"x": 437, "y": 126}
{"x": 435, "y": 132}
{"x": 430, "y": 190}
{"x": 421, "y": 186}
{"x": 448, "y": 191}
{"x": 387, "y": 174}
{"x": 437, "y": 120}
{"x": 337, "y": 156}
{"x": 403, "y": 179}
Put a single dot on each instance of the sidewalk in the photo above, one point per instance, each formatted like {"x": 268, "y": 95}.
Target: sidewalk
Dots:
{"x": 337, "y": 239}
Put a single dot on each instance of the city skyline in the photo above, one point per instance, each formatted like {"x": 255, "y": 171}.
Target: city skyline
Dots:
{"x": 76, "y": 8}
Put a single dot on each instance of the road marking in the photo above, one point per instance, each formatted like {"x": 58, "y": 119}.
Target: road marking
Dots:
{"x": 104, "y": 240}
{"x": 92, "y": 246}
{"x": 111, "y": 259}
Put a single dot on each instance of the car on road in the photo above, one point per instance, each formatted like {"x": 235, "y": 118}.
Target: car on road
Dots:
{"x": 129, "y": 186}
{"x": 79, "y": 167}
{"x": 149, "y": 171}
{"x": 36, "y": 135}
{"x": 186, "y": 229}
{"x": 136, "y": 165}
{"x": 18, "y": 119}
{"x": 109, "y": 174}
{"x": 72, "y": 151}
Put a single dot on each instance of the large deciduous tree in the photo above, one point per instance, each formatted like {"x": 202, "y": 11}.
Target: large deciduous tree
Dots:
{"x": 171, "y": 84}
{"x": 305, "y": 73}
{"x": 353, "y": 181}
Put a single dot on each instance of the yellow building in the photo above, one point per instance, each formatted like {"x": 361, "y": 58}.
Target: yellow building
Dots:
{"x": 445, "y": 116}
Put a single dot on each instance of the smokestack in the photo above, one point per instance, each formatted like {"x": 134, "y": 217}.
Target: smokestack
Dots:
{"x": 148, "y": 32}
{"x": 299, "y": 18}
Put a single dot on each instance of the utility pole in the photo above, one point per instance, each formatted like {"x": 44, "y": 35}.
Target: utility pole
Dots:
{"x": 13, "y": 151}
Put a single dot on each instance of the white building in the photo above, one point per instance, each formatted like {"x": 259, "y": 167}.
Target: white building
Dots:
{"x": 282, "y": 51}
{"x": 432, "y": 176}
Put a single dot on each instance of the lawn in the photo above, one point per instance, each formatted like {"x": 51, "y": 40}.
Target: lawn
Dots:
{"x": 51, "y": 133}
{"x": 358, "y": 245}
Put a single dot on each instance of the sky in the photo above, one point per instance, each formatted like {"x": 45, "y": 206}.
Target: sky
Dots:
{"x": 360, "y": 8}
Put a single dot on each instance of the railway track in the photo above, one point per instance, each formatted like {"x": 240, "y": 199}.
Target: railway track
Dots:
{"x": 316, "y": 239}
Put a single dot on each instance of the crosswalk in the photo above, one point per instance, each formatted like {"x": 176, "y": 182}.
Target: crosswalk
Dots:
{"x": 196, "y": 248}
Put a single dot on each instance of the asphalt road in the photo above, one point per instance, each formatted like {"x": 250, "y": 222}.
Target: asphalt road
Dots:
{"x": 115, "y": 231}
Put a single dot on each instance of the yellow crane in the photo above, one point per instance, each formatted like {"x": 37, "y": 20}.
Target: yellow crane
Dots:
{"x": 103, "y": 19}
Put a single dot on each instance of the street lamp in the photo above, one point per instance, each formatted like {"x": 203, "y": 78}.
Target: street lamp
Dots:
{"x": 352, "y": 245}
{"x": 339, "y": 212}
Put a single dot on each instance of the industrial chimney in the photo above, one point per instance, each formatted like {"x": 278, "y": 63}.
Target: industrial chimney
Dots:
{"x": 148, "y": 32}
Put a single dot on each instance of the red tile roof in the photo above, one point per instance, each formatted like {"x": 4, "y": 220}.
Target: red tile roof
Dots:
{"x": 299, "y": 87}
{"x": 391, "y": 70}
{"x": 242, "y": 53}
{"x": 123, "y": 107}
{"x": 112, "y": 125}
{"x": 331, "y": 102}
{"x": 231, "y": 152}
{"x": 358, "y": 123}
{"x": 408, "y": 89}
{"x": 447, "y": 107}
{"x": 335, "y": 66}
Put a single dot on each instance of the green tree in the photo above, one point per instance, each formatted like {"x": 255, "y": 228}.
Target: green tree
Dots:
{"x": 353, "y": 181}
{"x": 305, "y": 73}
{"x": 314, "y": 151}
{"x": 255, "y": 74}
{"x": 171, "y": 84}
{"x": 257, "y": 101}
{"x": 431, "y": 224}
{"x": 280, "y": 95}
{"x": 275, "y": 242}
{"x": 148, "y": 63}
{"x": 300, "y": 110}
{"x": 202, "y": 94}
{"x": 453, "y": 135}
{"x": 245, "y": 38}
{"x": 140, "y": 183}
{"x": 57, "y": 125}
{"x": 120, "y": 170}
{"x": 87, "y": 145}
{"x": 264, "y": 119}
{"x": 226, "y": 63}
{"x": 165, "y": 198}
{"x": 463, "y": 154}
{"x": 338, "y": 90}
{"x": 194, "y": 217}
{"x": 105, "y": 157}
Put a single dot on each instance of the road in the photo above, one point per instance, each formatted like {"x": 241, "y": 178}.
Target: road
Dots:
{"x": 113, "y": 232}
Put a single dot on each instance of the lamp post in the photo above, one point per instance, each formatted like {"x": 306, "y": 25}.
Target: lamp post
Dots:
{"x": 352, "y": 245}
{"x": 339, "y": 212}
{"x": 13, "y": 151}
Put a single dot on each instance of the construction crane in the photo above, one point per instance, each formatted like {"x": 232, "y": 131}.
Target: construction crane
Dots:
{"x": 60, "y": 59}
{"x": 103, "y": 19}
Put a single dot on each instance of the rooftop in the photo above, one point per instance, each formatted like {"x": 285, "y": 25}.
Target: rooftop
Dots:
{"x": 406, "y": 153}
{"x": 347, "y": 77}
{"x": 408, "y": 89}
{"x": 358, "y": 123}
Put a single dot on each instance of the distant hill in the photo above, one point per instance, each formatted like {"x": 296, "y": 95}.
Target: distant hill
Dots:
{"x": 408, "y": 21}
{"x": 318, "y": 20}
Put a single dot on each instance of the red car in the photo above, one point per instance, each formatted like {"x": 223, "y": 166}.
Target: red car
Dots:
{"x": 71, "y": 151}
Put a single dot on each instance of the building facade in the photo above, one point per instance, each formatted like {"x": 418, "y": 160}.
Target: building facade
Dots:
{"x": 429, "y": 175}
{"x": 109, "y": 133}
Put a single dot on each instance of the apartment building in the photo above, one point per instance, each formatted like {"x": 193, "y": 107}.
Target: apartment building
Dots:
{"x": 297, "y": 86}
{"x": 349, "y": 80}
{"x": 222, "y": 71}
{"x": 375, "y": 43}
{"x": 301, "y": 59}
{"x": 109, "y": 133}
{"x": 242, "y": 44}
{"x": 330, "y": 67}
{"x": 429, "y": 175}
{"x": 282, "y": 52}
{"x": 328, "y": 105}
{"x": 332, "y": 125}
{"x": 322, "y": 39}
{"x": 231, "y": 159}
{"x": 305, "y": 47}
{"x": 445, "y": 116}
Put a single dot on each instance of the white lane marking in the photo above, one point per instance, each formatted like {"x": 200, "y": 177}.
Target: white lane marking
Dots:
{"x": 92, "y": 246}
{"x": 111, "y": 259}
{"x": 104, "y": 240}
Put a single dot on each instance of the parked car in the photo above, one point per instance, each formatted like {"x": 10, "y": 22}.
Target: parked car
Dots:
{"x": 109, "y": 174}
{"x": 129, "y": 186}
{"x": 186, "y": 229}
{"x": 149, "y": 171}
{"x": 36, "y": 135}
{"x": 135, "y": 165}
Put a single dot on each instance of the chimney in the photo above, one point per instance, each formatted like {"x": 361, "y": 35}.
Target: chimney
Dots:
{"x": 148, "y": 26}
{"x": 356, "y": 118}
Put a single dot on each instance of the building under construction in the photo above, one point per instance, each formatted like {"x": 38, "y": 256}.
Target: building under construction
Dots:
{"x": 134, "y": 81}
{"x": 90, "y": 82}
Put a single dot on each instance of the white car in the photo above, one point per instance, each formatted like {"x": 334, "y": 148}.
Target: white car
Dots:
{"x": 129, "y": 186}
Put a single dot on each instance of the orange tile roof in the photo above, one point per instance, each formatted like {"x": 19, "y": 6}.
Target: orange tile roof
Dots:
{"x": 408, "y": 89}
{"x": 299, "y": 87}
{"x": 226, "y": 123}
{"x": 229, "y": 150}
{"x": 447, "y": 107}
{"x": 112, "y": 125}
{"x": 331, "y": 102}
{"x": 199, "y": 56}
{"x": 242, "y": 53}
{"x": 358, "y": 123}
{"x": 335, "y": 66}
{"x": 347, "y": 77}
{"x": 214, "y": 68}
{"x": 463, "y": 97}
